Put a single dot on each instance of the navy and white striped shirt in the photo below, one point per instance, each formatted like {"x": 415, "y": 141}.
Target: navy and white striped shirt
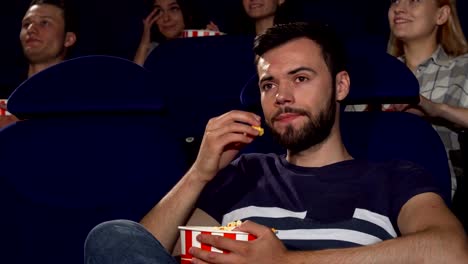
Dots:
{"x": 345, "y": 204}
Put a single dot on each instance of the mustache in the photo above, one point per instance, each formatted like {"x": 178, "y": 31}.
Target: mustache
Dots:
{"x": 291, "y": 110}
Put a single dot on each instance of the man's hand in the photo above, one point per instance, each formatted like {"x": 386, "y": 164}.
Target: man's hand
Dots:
{"x": 7, "y": 120}
{"x": 267, "y": 248}
{"x": 224, "y": 137}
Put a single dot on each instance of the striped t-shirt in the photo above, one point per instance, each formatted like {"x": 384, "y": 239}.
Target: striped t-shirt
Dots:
{"x": 346, "y": 204}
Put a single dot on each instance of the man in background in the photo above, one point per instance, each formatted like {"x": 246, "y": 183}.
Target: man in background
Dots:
{"x": 47, "y": 34}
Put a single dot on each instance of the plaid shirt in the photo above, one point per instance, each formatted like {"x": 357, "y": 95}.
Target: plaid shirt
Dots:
{"x": 443, "y": 79}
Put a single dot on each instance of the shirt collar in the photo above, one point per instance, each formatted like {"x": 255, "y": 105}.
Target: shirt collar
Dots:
{"x": 439, "y": 57}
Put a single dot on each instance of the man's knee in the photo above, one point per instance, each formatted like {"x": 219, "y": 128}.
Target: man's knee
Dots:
{"x": 123, "y": 241}
{"x": 115, "y": 235}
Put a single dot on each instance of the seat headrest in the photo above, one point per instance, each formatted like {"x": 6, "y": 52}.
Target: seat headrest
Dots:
{"x": 213, "y": 67}
{"x": 88, "y": 84}
{"x": 376, "y": 77}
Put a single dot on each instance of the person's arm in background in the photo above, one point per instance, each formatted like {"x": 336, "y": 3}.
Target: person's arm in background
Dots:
{"x": 224, "y": 136}
{"x": 212, "y": 26}
{"x": 145, "y": 43}
{"x": 426, "y": 108}
{"x": 430, "y": 234}
{"x": 457, "y": 115}
{"x": 453, "y": 114}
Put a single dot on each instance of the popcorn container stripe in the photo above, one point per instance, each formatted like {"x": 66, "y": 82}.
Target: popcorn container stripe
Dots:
{"x": 188, "y": 239}
{"x": 3, "y": 112}
{"x": 192, "y": 33}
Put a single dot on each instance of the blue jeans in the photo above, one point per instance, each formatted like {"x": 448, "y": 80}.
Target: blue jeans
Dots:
{"x": 124, "y": 242}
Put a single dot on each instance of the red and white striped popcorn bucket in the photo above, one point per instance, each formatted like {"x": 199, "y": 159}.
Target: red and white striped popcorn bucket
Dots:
{"x": 193, "y": 33}
{"x": 3, "y": 112}
{"x": 188, "y": 239}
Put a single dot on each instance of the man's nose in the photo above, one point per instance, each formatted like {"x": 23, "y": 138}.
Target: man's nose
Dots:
{"x": 32, "y": 28}
{"x": 284, "y": 95}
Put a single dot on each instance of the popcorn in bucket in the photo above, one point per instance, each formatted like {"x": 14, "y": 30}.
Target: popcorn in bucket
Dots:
{"x": 188, "y": 239}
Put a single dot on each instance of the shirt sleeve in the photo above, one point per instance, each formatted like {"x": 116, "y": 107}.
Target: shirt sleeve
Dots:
{"x": 409, "y": 180}
{"x": 223, "y": 191}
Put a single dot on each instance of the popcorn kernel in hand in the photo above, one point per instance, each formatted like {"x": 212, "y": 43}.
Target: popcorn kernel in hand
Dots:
{"x": 260, "y": 130}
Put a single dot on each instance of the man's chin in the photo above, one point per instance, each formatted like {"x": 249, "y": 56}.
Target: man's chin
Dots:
{"x": 281, "y": 129}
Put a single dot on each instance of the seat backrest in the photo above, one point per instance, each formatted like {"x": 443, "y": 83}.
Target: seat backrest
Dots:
{"x": 378, "y": 77}
{"x": 341, "y": 15}
{"x": 460, "y": 198}
{"x": 95, "y": 146}
{"x": 201, "y": 78}
{"x": 88, "y": 84}
{"x": 380, "y": 136}
{"x": 462, "y": 9}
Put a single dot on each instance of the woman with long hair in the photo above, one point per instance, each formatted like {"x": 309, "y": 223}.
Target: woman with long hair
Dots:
{"x": 426, "y": 35}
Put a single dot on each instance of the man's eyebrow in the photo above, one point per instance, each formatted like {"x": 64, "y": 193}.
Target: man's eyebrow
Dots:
{"x": 292, "y": 72}
{"x": 43, "y": 16}
{"x": 301, "y": 69}
{"x": 266, "y": 78}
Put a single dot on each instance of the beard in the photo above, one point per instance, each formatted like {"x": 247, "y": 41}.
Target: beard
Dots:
{"x": 313, "y": 132}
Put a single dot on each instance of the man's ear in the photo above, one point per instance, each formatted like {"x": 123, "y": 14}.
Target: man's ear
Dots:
{"x": 342, "y": 84}
{"x": 280, "y": 2}
{"x": 70, "y": 39}
{"x": 443, "y": 14}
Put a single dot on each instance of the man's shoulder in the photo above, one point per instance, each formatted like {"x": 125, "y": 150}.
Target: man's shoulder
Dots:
{"x": 394, "y": 168}
{"x": 399, "y": 166}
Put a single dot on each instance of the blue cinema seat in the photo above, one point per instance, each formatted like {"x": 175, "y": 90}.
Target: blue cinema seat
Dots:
{"x": 201, "y": 78}
{"x": 460, "y": 198}
{"x": 95, "y": 145}
{"x": 377, "y": 78}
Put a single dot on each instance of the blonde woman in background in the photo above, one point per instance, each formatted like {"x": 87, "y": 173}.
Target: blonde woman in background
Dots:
{"x": 426, "y": 35}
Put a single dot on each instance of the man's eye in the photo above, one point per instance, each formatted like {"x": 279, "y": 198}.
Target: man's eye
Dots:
{"x": 301, "y": 79}
{"x": 44, "y": 23}
{"x": 267, "y": 87}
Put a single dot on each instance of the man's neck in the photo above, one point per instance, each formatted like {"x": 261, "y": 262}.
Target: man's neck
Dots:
{"x": 330, "y": 151}
{"x": 262, "y": 24}
{"x": 418, "y": 51}
{"x": 37, "y": 67}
